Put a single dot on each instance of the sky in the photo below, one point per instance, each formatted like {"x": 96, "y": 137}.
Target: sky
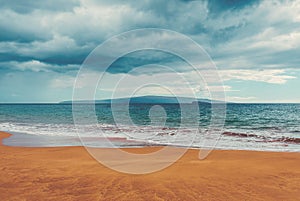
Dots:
{"x": 255, "y": 46}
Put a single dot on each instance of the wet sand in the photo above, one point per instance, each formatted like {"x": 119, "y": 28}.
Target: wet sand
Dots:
{"x": 70, "y": 173}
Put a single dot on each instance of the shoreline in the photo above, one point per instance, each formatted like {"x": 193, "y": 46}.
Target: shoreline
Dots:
{"x": 17, "y": 139}
{"x": 70, "y": 173}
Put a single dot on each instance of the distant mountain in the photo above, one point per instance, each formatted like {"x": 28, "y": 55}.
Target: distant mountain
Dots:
{"x": 147, "y": 99}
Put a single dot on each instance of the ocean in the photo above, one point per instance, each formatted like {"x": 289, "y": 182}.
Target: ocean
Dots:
{"x": 267, "y": 127}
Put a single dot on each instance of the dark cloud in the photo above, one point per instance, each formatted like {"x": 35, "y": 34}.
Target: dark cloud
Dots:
{"x": 13, "y": 57}
{"x": 136, "y": 59}
{"x": 8, "y": 34}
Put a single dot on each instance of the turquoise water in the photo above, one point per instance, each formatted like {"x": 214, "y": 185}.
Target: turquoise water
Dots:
{"x": 247, "y": 126}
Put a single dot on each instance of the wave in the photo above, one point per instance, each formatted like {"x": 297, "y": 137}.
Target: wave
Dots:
{"x": 240, "y": 134}
{"x": 286, "y": 139}
{"x": 265, "y": 139}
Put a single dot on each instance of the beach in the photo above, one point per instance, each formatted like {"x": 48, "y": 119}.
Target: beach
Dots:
{"x": 70, "y": 173}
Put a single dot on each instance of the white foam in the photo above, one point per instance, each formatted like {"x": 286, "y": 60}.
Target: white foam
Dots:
{"x": 149, "y": 134}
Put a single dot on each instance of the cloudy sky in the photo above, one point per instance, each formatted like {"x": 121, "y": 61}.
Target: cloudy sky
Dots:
{"x": 255, "y": 46}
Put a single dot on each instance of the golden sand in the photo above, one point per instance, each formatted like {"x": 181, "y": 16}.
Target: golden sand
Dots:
{"x": 70, "y": 173}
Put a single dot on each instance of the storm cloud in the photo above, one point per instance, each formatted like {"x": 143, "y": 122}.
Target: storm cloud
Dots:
{"x": 56, "y": 36}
